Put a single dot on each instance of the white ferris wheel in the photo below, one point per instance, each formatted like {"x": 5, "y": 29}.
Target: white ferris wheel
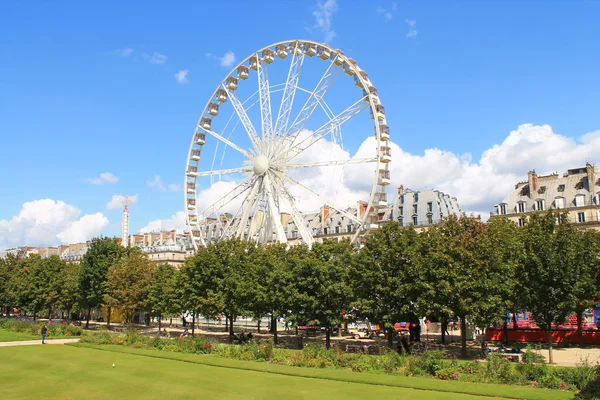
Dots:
{"x": 263, "y": 150}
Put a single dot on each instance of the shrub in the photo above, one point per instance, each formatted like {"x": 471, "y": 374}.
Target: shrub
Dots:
{"x": 500, "y": 369}
{"x": 590, "y": 392}
{"x": 551, "y": 381}
{"x": 579, "y": 376}
{"x": 448, "y": 374}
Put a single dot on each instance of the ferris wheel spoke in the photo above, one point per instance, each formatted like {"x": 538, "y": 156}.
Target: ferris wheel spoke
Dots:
{"x": 274, "y": 211}
{"x": 228, "y": 142}
{"x": 330, "y": 126}
{"x": 332, "y": 163}
{"x": 223, "y": 201}
{"x": 299, "y": 220}
{"x": 220, "y": 171}
{"x": 289, "y": 92}
{"x": 311, "y": 104}
{"x": 322, "y": 199}
{"x": 243, "y": 116}
{"x": 248, "y": 203}
{"x": 264, "y": 94}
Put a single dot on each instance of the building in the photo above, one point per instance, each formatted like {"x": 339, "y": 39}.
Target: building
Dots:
{"x": 418, "y": 208}
{"x": 422, "y": 208}
{"x": 577, "y": 191}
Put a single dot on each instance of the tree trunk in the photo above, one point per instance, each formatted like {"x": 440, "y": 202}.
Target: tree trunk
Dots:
{"x": 328, "y": 338}
{"x": 258, "y": 325}
{"x": 463, "y": 336}
{"x": 193, "y": 323}
{"x": 444, "y": 326}
{"x": 273, "y": 323}
{"x": 89, "y": 315}
{"x": 390, "y": 337}
{"x": 227, "y": 323}
{"x": 159, "y": 322}
{"x": 275, "y": 337}
{"x": 550, "y": 360}
{"x": 339, "y": 331}
{"x": 579, "y": 312}
{"x": 230, "y": 328}
{"x": 108, "y": 315}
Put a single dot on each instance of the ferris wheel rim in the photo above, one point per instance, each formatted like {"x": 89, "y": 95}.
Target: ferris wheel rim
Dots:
{"x": 373, "y": 100}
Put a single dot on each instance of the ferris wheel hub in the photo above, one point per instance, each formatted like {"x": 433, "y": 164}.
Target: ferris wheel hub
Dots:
{"x": 261, "y": 165}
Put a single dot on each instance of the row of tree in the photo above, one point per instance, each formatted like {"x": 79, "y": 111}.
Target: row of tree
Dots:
{"x": 461, "y": 268}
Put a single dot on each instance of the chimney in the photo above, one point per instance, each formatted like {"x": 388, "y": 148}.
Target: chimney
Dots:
{"x": 324, "y": 213}
{"x": 400, "y": 190}
{"x": 174, "y": 234}
{"x": 532, "y": 179}
{"x": 591, "y": 176}
{"x": 361, "y": 207}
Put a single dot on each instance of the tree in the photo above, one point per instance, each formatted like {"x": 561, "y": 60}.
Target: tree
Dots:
{"x": 102, "y": 253}
{"x": 385, "y": 276}
{"x": 162, "y": 292}
{"x": 587, "y": 287}
{"x": 69, "y": 292}
{"x": 323, "y": 283}
{"x": 128, "y": 284}
{"x": 8, "y": 267}
{"x": 452, "y": 269}
{"x": 548, "y": 277}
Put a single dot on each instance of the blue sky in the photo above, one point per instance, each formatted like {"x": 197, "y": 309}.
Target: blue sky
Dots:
{"x": 457, "y": 76}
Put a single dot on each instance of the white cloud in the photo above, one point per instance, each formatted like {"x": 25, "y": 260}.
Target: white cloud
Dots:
{"x": 181, "y": 76}
{"x": 323, "y": 15}
{"x": 118, "y": 200}
{"x": 158, "y": 184}
{"x": 105, "y": 177}
{"x": 47, "y": 222}
{"x": 123, "y": 52}
{"x": 412, "y": 24}
{"x": 227, "y": 60}
{"x": 387, "y": 16}
{"x": 177, "y": 221}
{"x": 157, "y": 58}
{"x": 88, "y": 226}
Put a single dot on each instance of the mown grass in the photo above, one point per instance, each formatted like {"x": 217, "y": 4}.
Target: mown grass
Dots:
{"x": 10, "y": 336}
{"x": 68, "y": 372}
{"x": 424, "y": 384}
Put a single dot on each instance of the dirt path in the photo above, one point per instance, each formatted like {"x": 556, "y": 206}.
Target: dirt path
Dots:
{"x": 37, "y": 342}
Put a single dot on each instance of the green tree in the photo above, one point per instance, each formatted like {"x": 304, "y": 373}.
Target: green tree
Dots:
{"x": 323, "y": 284}
{"x": 162, "y": 292}
{"x": 128, "y": 284}
{"x": 549, "y": 275}
{"x": 587, "y": 286}
{"x": 8, "y": 267}
{"x": 452, "y": 270}
{"x": 385, "y": 277}
{"x": 69, "y": 294}
{"x": 101, "y": 255}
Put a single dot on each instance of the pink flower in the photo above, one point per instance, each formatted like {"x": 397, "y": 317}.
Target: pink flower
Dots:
{"x": 535, "y": 383}
{"x": 564, "y": 385}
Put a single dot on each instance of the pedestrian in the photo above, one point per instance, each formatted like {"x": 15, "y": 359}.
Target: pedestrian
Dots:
{"x": 44, "y": 331}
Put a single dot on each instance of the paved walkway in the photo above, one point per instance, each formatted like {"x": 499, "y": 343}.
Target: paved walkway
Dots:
{"x": 37, "y": 342}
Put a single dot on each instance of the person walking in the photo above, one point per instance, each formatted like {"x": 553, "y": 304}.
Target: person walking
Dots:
{"x": 44, "y": 331}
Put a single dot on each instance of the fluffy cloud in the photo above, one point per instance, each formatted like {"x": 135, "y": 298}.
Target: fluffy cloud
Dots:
{"x": 158, "y": 184}
{"x": 177, "y": 221}
{"x": 123, "y": 52}
{"x": 47, "y": 222}
{"x": 412, "y": 32}
{"x": 105, "y": 177}
{"x": 226, "y": 61}
{"x": 181, "y": 76}
{"x": 156, "y": 58}
{"x": 323, "y": 15}
{"x": 118, "y": 201}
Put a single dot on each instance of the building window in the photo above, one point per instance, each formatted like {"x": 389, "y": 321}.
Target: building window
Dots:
{"x": 337, "y": 229}
{"x": 430, "y": 219}
{"x": 402, "y": 199}
{"x": 349, "y": 228}
{"x": 597, "y": 199}
{"x": 401, "y": 221}
{"x": 521, "y": 206}
{"x": 415, "y": 220}
{"x": 502, "y": 209}
{"x": 325, "y": 231}
{"x": 401, "y": 210}
{"x": 561, "y": 188}
{"x": 539, "y": 205}
{"x": 430, "y": 207}
{"x": 579, "y": 201}
{"x": 521, "y": 222}
{"x": 414, "y": 209}
{"x": 559, "y": 202}
{"x": 581, "y": 217}
{"x": 416, "y": 197}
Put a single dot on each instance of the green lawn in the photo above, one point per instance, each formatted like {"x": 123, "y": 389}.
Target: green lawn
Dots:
{"x": 66, "y": 372}
{"x": 10, "y": 336}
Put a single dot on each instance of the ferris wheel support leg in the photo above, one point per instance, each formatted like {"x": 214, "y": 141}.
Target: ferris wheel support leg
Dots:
{"x": 274, "y": 212}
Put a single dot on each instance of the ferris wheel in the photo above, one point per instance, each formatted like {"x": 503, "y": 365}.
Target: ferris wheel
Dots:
{"x": 268, "y": 149}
